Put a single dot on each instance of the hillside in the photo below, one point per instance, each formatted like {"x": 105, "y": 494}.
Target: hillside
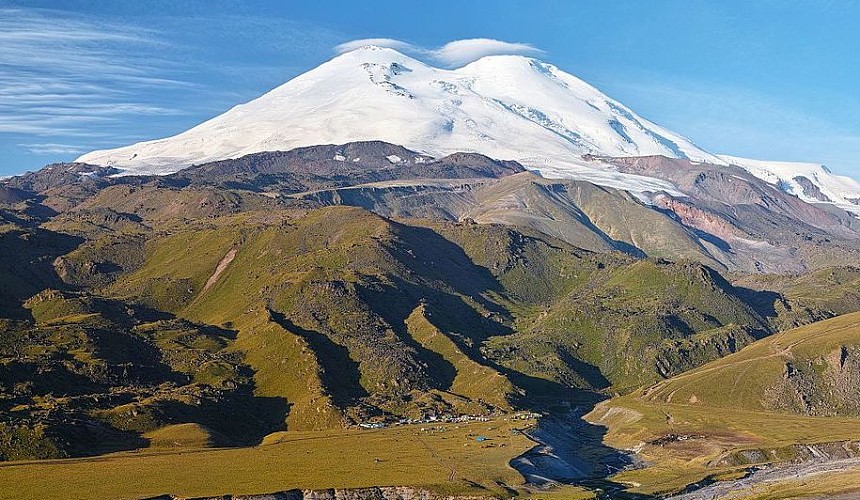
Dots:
{"x": 804, "y": 298}
{"x": 790, "y": 397}
{"x": 330, "y": 317}
{"x": 811, "y": 370}
{"x": 474, "y": 288}
{"x": 312, "y": 281}
{"x": 238, "y": 302}
{"x": 89, "y": 375}
{"x": 722, "y": 216}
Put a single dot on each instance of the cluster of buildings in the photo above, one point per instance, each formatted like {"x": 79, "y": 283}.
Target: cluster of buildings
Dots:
{"x": 446, "y": 419}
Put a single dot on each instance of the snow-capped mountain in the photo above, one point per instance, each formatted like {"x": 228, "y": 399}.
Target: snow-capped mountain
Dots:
{"x": 811, "y": 182}
{"x": 506, "y": 107}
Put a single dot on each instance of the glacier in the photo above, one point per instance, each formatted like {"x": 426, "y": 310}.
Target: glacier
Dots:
{"x": 508, "y": 107}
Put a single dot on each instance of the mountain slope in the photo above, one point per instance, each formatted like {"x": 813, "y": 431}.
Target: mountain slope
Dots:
{"x": 507, "y": 107}
{"x": 350, "y": 283}
{"x": 811, "y": 370}
{"x": 811, "y": 182}
{"x": 789, "y": 398}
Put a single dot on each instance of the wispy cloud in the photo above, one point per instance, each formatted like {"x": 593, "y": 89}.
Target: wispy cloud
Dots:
{"x": 452, "y": 54}
{"x": 52, "y": 148}
{"x": 63, "y": 74}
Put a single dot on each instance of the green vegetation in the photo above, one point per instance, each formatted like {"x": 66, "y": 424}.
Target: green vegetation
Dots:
{"x": 805, "y": 298}
{"x": 445, "y": 458}
{"x": 162, "y": 320}
{"x": 731, "y": 412}
{"x": 180, "y": 436}
{"x": 471, "y": 380}
{"x": 809, "y": 370}
{"x": 317, "y": 319}
{"x": 90, "y": 375}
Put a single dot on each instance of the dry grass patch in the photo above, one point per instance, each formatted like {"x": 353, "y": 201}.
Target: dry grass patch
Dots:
{"x": 444, "y": 457}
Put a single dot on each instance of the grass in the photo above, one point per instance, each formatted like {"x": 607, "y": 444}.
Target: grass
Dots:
{"x": 716, "y": 433}
{"x": 286, "y": 367}
{"x": 350, "y": 279}
{"x": 743, "y": 379}
{"x": 823, "y": 485}
{"x": 563, "y": 492}
{"x": 472, "y": 380}
{"x": 718, "y": 409}
{"x": 444, "y": 458}
{"x": 811, "y": 296}
{"x": 180, "y": 436}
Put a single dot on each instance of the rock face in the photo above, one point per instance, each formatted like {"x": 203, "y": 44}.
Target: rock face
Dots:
{"x": 10, "y": 195}
{"x": 373, "y": 493}
{"x": 333, "y": 166}
{"x": 811, "y": 190}
{"x": 820, "y": 386}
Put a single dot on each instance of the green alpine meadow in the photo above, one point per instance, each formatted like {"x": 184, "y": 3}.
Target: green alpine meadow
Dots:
{"x": 435, "y": 269}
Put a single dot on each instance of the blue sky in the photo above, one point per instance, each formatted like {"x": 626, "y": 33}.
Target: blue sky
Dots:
{"x": 771, "y": 79}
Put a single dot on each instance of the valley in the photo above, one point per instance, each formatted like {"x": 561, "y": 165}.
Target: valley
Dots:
{"x": 477, "y": 293}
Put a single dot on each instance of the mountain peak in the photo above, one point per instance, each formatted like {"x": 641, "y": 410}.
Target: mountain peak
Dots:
{"x": 373, "y": 53}
{"x": 509, "y": 107}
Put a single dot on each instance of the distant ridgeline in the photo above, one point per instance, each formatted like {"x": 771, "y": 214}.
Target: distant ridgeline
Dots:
{"x": 368, "y": 284}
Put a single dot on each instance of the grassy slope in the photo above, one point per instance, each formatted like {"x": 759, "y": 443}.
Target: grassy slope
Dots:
{"x": 477, "y": 382}
{"x": 95, "y": 373}
{"x": 719, "y": 405}
{"x": 580, "y": 318}
{"x": 744, "y": 379}
{"x": 180, "y": 436}
{"x": 345, "y": 316}
{"x": 629, "y": 325}
{"x": 340, "y": 276}
{"x": 445, "y": 458}
{"x": 814, "y": 296}
{"x": 304, "y": 294}
{"x": 286, "y": 367}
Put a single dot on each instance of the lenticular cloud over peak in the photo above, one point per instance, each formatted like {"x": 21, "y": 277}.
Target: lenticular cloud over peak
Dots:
{"x": 379, "y": 42}
{"x": 462, "y": 52}
{"x": 453, "y": 54}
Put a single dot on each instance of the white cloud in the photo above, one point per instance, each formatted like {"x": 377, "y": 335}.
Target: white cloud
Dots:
{"x": 453, "y": 54}
{"x": 379, "y": 42}
{"x": 62, "y": 74}
{"x": 49, "y": 148}
{"x": 462, "y": 52}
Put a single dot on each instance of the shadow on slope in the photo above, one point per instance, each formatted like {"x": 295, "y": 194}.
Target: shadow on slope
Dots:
{"x": 340, "y": 374}
{"x": 26, "y": 267}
